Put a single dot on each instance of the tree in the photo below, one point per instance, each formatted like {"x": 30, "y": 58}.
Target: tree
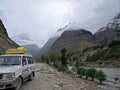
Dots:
{"x": 100, "y": 75}
{"x": 43, "y": 57}
{"x": 63, "y": 57}
{"x": 47, "y": 59}
{"x": 114, "y": 43}
{"x": 53, "y": 57}
{"x": 81, "y": 71}
{"x": 77, "y": 64}
{"x": 90, "y": 73}
{"x": 88, "y": 56}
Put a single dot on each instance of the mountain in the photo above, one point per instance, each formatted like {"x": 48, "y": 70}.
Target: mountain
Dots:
{"x": 26, "y": 41}
{"x": 74, "y": 40}
{"x": 5, "y": 41}
{"x": 47, "y": 45}
{"x": 32, "y": 48}
{"x": 110, "y": 32}
{"x": 69, "y": 27}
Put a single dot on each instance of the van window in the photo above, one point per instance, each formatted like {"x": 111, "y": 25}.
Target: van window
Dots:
{"x": 24, "y": 62}
{"x": 30, "y": 60}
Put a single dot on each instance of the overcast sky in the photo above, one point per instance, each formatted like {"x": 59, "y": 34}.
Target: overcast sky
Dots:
{"x": 42, "y": 18}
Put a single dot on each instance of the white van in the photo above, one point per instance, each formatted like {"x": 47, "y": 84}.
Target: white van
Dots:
{"x": 16, "y": 69}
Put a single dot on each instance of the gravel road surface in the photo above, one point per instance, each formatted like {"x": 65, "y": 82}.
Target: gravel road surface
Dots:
{"x": 48, "y": 78}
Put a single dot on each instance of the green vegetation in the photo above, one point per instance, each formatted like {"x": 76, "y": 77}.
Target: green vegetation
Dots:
{"x": 81, "y": 71}
{"x": 92, "y": 48}
{"x": 114, "y": 43}
{"x": 58, "y": 61}
{"x": 96, "y": 56}
{"x": 62, "y": 68}
{"x": 100, "y": 76}
{"x": 92, "y": 73}
{"x": 113, "y": 51}
{"x": 63, "y": 57}
{"x": 43, "y": 57}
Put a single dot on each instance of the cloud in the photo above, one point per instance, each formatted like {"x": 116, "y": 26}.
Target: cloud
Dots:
{"x": 42, "y": 18}
{"x": 93, "y": 14}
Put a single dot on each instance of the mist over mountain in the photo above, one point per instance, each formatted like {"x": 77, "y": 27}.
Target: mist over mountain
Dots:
{"x": 26, "y": 41}
{"x": 23, "y": 39}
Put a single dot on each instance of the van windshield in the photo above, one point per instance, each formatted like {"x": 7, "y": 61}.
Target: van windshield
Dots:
{"x": 10, "y": 60}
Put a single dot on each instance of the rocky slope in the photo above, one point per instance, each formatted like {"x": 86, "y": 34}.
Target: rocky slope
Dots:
{"x": 3, "y": 29}
{"x": 5, "y": 41}
{"x": 32, "y": 48}
{"x": 110, "y": 32}
{"x": 47, "y": 46}
{"x": 74, "y": 40}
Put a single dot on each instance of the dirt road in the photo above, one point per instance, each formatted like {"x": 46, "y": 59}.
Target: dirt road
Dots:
{"x": 47, "y": 78}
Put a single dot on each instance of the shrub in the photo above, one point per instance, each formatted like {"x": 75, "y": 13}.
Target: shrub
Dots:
{"x": 81, "y": 71}
{"x": 90, "y": 73}
{"x": 96, "y": 56}
{"x": 77, "y": 64}
{"x": 100, "y": 62}
{"x": 114, "y": 42}
{"x": 100, "y": 75}
{"x": 62, "y": 68}
{"x": 43, "y": 57}
{"x": 53, "y": 57}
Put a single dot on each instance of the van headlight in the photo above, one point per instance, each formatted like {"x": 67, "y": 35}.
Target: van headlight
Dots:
{"x": 8, "y": 75}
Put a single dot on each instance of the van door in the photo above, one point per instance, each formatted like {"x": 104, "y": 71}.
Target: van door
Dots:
{"x": 25, "y": 68}
{"x": 31, "y": 64}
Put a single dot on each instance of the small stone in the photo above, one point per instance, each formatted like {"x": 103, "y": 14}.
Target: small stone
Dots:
{"x": 56, "y": 87}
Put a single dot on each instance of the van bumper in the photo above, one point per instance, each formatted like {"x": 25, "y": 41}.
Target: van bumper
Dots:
{"x": 5, "y": 84}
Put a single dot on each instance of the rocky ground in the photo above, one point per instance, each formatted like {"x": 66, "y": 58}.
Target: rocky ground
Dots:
{"x": 48, "y": 78}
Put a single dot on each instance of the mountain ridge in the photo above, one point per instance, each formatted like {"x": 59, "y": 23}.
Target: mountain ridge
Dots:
{"x": 5, "y": 41}
{"x": 74, "y": 40}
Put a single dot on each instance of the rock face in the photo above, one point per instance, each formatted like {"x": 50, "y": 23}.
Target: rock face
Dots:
{"x": 32, "y": 48}
{"x": 74, "y": 40}
{"x": 2, "y": 29}
{"x": 110, "y": 32}
{"x": 5, "y": 41}
{"x": 47, "y": 46}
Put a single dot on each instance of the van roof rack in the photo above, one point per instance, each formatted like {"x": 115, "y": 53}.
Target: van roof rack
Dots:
{"x": 19, "y": 50}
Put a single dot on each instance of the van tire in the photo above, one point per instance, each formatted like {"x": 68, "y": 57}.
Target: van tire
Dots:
{"x": 31, "y": 77}
{"x": 18, "y": 84}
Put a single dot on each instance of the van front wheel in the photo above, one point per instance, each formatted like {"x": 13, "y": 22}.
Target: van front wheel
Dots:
{"x": 18, "y": 84}
{"x": 31, "y": 77}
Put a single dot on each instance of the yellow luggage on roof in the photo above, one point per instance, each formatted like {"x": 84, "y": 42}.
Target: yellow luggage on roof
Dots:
{"x": 19, "y": 50}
